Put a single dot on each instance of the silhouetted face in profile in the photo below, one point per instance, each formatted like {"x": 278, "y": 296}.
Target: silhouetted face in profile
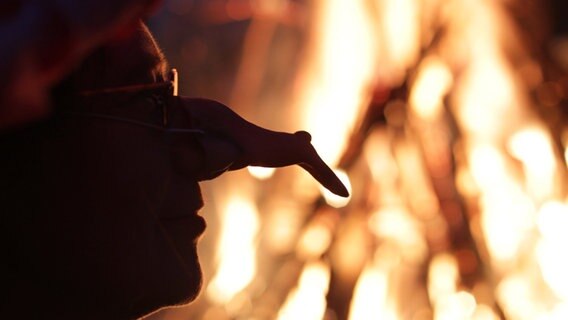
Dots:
{"x": 101, "y": 200}
{"x": 110, "y": 207}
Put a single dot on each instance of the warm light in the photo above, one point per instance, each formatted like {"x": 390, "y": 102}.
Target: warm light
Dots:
{"x": 533, "y": 147}
{"x": 397, "y": 225}
{"x": 370, "y": 296}
{"x": 517, "y": 297}
{"x": 237, "y": 250}
{"x": 460, "y": 305}
{"x": 443, "y": 276}
{"x": 307, "y": 301}
{"x": 261, "y": 173}
{"x": 378, "y": 155}
{"x": 430, "y": 87}
{"x": 401, "y": 30}
{"x": 484, "y": 312}
{"x": 511, "y": 208}
{"x": 341, "y": 66}
{"x": 281, "y": 228}
{"x": 315, "y": 240}
{"x": 487, "y": 96}
{"x": 503, "y": 202}
{"x": 553, "y": 225}
{"x": 488, "y": 167}
{"x": 335, "y": 200}
{"x": 565, "y": 144}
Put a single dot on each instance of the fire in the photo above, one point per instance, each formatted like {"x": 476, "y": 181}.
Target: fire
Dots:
{"x": 533, "y": 147}
{"x": 370, "y": 296}
{"x": 237, "y": 250}
{"x": 401, "y": 36}
{"x": 552, "y": 222}
{"x": 459, "y": 207}
{"x": 307, "y": 301}
{"x": 338, "y": 71}
{"x": 433, "y": 82}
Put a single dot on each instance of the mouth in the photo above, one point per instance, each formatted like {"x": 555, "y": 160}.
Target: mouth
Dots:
{"x": 192, "y": 225}
{"x": 200, "y": 226}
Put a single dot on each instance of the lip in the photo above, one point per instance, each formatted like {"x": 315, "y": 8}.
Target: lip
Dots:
{"x": 200, "y": 226}
{"x": 193, "y": 225}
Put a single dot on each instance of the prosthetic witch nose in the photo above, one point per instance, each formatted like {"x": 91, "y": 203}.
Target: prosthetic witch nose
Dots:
{"x": 231, "y": 143}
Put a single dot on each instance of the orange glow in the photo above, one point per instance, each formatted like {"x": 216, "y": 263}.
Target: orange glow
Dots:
{"x": 565, "y": 144}
{"x": 442, "y": 277}
{"x": 487, "y": 96}
{"x": 340, "y": 68}
{"x": 370, "y": 296}
{"x": 237, "y": 250}
{"x": 460, "y": 305}
{"x": 401, "y": 32}
{"x": 533, "y": 147}
{"x": 484, "y": 312}
{"x": 307, "y": 301}
{"x": 469, "y": 132}
{"x": 314, "y": 241}
{"x": 397, "y": 225}
{"x": 552, "y": 223}
{"x": 433, "y": 82}
{"x": 515, "y": 294}
{"x": 281, "y": 227}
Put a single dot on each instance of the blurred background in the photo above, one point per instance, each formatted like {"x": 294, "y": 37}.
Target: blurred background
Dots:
{"x": 446, "y": 118}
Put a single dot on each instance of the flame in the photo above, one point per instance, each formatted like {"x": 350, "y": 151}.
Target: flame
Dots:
{"x": 370, "y": 296}
{"x": 533, "y": 147}
{"x": 503, "y": 202}
{"x": 307, "y": 301}
{"x": 552, "y": 222}
{"x": 281, "y": 227}
{"x": 237, "y": 250}
{"x": 487, "y": 97}
{"x": 315, "y": 240}
{"x": 459, "y": 305}
{"x": 340, "y": 67}
{"x": 398, "y": 226}
{"x": 443, "y": 277}
{"x": 433, "y": 82}
{"x": 508, "y": 173}
{"x": 401, "y": 36}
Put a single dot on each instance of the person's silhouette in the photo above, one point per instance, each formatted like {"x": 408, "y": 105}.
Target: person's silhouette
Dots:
{"x": 99, "y": 199}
